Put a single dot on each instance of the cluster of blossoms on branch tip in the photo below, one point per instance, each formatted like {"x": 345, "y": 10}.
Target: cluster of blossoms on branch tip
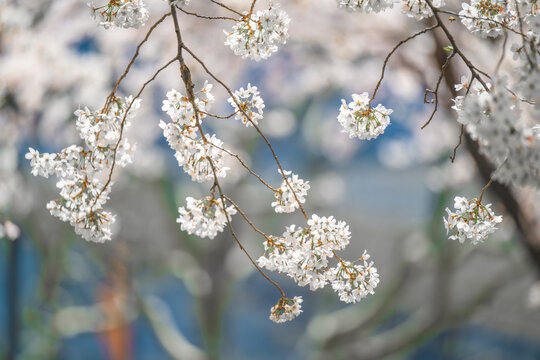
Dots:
{"x": 366, "y": 6}
{"x": 354, "y": 281}
{"x": 360, "y": 120}
{"x": 179, "y": 3}
{"x": 471, "y": 220}
{"x": 257, "y": 35}
{"x": 285, "y": 198}
{"x": 81, "y": 170}
{"x": 121, "y": 13}
{"x": 490, "y": 118}
{"x": 303, "y": 253}
{"x": 251, "y": 106}
{"x": 419, "y": 9}
{"x": 286, "y": 309}
{"x": 194, "y": 153}
{"x": 205, "y": 217}
{"x": 488, "y": 18}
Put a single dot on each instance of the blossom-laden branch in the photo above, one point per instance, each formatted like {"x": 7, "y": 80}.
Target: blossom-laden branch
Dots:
{"x": 302, "y": 254}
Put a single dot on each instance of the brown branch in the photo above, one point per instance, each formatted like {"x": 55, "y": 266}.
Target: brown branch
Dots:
{"x": 204, "y": 16}
{"x": 186, "y": 78}
{"x": 252, "y": 123}
{"x": 453, "y": 157}
{"x": 252, "y": 7}
{"x": 267, "y": 237}
{"x": 436, "y": 91}
{"x": 218, "y": 116}
{"x": 113, "y": 92}
{"x": 484, "y": 190}
{"x": 503, "y": 53}
{"x": 385, "y": 62}
{"x": 474, "y": 70}
{"x": 244, "y": 165}
{"x": 227, "y": 7}
{"x": 122, "y": 126}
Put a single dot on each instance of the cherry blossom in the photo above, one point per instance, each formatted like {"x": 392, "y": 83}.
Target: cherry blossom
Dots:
{"x": 258, "y": 35}
{"x": 471, "y": 220}
{"x": 360, "y": 120}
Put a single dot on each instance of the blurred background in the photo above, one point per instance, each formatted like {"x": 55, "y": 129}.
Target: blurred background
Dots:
{"x": 154, "y": 292}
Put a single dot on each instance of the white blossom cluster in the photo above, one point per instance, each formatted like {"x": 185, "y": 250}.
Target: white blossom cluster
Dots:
{"x": 80, "y": 170}
{"x": 419, "y": 9}
{"x": 205, "y": 217}
{"x": 488, "y": 18}
{"x": 360, "y": 120}
{"x": 529, "y": 61}
{"x": 258, "y": 35}
{"x": 286, "y": 309}
{"x": 251, "y": 104}
{"x": 121, "y": 13}
{"x": 491, "y": 117}
{"x": 354, "y": 281}
{"x": 192, "y": 152}
{"x": 179, "y": 3}
{"x": 366, "y": 6}
{"x": 285, "y": 200}
{"x": 471, "y": 220}
{"x": 304, "y": 253}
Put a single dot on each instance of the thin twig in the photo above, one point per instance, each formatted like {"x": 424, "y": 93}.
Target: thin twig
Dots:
{"x": 150, "y": 30}
{"x": 244, "y": 165}
{"x": 484, "y": 189}
{"x": 436, "y": 91}
{"x": 227, "y": 7}
{"x": 453, "y": 157}
{"x": 503, "y": 52}
{"x": 204, "y": 16}
{"x": 392, "y": 52}
{"x": 267, "y": 237}
{"x": 252, "y": 7}
{"x": 218, "y": 116}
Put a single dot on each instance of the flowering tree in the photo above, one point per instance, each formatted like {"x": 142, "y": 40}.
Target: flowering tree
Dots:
{"x": 497, "y": 113}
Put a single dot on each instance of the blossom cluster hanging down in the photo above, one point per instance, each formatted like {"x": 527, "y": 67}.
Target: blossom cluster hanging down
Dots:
{"x": 251, "y": 105}
{"x": 488, "y": 18}
{"x": 193, "y": 153}
{"x": 285, "y": 198}
{"x": 490, "y": 118}
{"x": 471, "y": 220}
{"x": 304, "y": 253}
{"x": 360, "y": 120}
{"x": 205, "y": 217}
{"x": 419, "y": 9}
{"x": 286, "y": 309}
{"x": 81, "y": 170}
{"x": 179, "y": 3}
{"x": 366, "y": 6}
{"x": 121, "y": 13}
{"x": 258, "y": 35}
